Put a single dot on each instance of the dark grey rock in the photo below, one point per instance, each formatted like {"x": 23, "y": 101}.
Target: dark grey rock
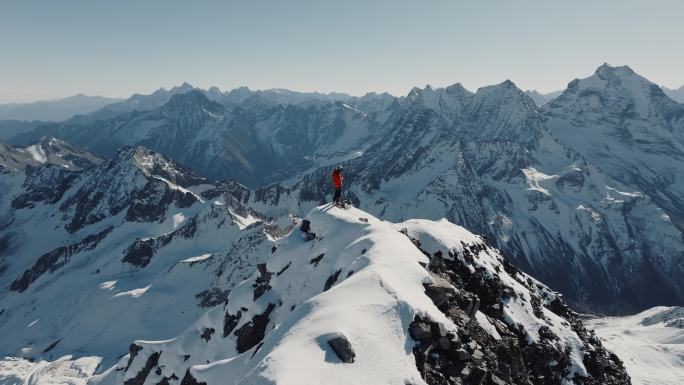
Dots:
{"x": 230, "y": 322}
{"x": 315, "y": 261}
{"x": 331, "y": 280}
{"x": 133, "y": 351}
{"x": 343, "y": 349}
{"x": 461, "y": 354}
{"x": 141, "y": 376}
{"x": 207, "y": 333}
{"x": 188, "y": 379}
{"x": 262, "y": 284}
{"x": 251, "y": 333}
{"x": 420, "y": 331}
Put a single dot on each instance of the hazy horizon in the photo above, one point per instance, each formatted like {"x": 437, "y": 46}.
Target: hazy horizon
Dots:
{"x": 53, "y": 49}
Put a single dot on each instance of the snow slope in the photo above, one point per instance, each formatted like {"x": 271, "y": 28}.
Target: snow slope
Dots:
{"x": 123, "y": 250}
{"x": 377, "y": 286}
{"x": 651, "y": 344}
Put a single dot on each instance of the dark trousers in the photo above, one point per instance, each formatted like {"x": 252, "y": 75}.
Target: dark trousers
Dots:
{"x": 338, "y": 193}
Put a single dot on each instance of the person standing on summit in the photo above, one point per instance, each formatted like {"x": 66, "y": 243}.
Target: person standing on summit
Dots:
{"x": 337, "y": 179}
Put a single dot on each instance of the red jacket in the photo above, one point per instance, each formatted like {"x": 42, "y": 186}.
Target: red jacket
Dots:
{"x": 337, "y": 178}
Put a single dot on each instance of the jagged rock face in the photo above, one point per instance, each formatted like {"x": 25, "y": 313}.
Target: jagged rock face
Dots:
{"x": 124, "y": 250}
{"x": 416, "y": 302}
{"x": 44, "y": 185}
{"x": 474, "y": 356}
{"x": 125, "y": 182}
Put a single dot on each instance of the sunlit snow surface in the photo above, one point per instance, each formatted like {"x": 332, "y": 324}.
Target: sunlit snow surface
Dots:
{"x": 37, "y": 153}
{"x": 378, "y": 293}
{"x": 651, "y": 344}
{"x": 63, "y": 371}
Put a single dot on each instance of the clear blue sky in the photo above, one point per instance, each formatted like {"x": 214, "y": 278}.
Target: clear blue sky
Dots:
{"x": 53, "y": 48}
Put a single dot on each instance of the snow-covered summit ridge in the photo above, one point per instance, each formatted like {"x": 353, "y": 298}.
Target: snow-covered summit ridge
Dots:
{"x": 416, "y": 302}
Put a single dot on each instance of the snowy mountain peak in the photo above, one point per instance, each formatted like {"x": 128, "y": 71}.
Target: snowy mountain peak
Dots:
{"x": 621, "y": 93}
{"x": 504, "y": 97}
{"x": 606, "y": 71}
{"x": 183, "y": 88}
{"x": 153, "y": 164}
{"x": 613, "y": 79}
{"x": 457, "y": 89}
{"x": 192, "y": 98}
{"x": 505, "y": 88}
{"x": 192, "y": 107}
{"x": 446, "y": 100}
{"x": 350, "y": 299}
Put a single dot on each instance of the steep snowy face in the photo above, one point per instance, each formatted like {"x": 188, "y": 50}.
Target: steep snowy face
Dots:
{"x": 636, "y": 132}
{"x": 46, "y": 151}
{"x": 352, "y": 299}
{"x": 127, "y": 249}
{"x": 651, "y": 344}
{"x": 501, "y": 112}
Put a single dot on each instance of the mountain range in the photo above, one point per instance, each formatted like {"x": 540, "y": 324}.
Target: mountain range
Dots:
{"x": 54, "y": 110}
{"x": 186, "y": 226}
{"x": 141, "y": 247}
{"x": 595, "y": 219}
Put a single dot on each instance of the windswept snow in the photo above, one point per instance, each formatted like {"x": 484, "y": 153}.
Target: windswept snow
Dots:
{"x": 178, "y": 220}
{"x": 177, "y": 187}
{"x": 135, "y": 293}
{"x": 535, "y": 178}
{"x": 486, "y": 325}
{"x": 651, "y": 344}
{"x": 347, "y": 106}
{"x": 64, "y": 371}
{"x": 37, "y": 153}
{"x": 198, "y": 258}
{"x": 109, "y": 285}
